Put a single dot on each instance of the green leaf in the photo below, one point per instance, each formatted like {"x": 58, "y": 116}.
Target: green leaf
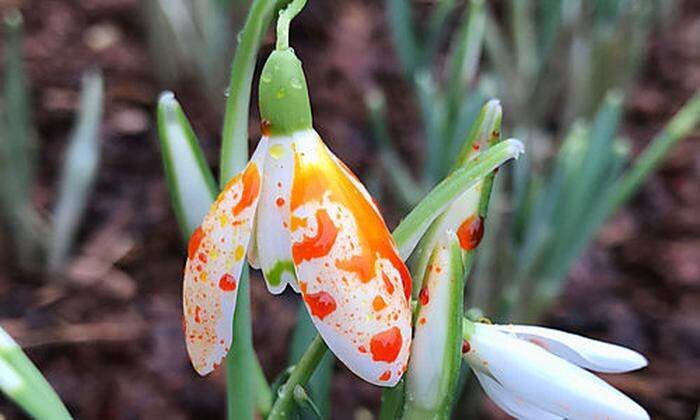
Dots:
{"x": 22, "y": 382}
{"x": 79, "y": 170}
{"x": 190, "y": 181}
{"x": 410, "y": 230}
{"x": 19, "y": 147}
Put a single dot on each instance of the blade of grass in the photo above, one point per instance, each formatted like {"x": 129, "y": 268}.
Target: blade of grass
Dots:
{"x": 401, "y": 25}
{"x": 20, "y": 146}
{"x": 680, "y": 127}
{"x": 436, "y": 29}
{"x": 79, "y": 170}
{"x": 23, "y": 382}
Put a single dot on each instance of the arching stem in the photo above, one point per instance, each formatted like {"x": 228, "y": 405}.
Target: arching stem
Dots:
{"x": 284, "y": 20}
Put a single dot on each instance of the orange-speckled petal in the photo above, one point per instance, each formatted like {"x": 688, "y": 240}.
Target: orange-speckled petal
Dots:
{"x": 353, "y": 282}
{"x": 216, "y": 254}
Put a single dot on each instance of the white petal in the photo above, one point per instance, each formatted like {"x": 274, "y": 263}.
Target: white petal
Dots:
{"x": 545, "y": 380}
{"x": 274, "y": 242}
{"x": 515, "y": 406}
{"x": 216, "y": 254}
{"x": 581, "y": 351}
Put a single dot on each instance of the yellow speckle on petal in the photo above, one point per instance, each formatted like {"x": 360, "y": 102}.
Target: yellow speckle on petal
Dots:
{"x": 213, "y": 254}
{"x": 223, "y": 220}
{"x": 276, "y": 151}
{"x": 240, "y": 251}
{"x": 203, "y": 276}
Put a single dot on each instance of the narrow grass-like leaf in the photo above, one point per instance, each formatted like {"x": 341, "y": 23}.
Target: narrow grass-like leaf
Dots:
{"x": 436, "y": 29}
{"x": 401, "y": 25}
{"x": 19, "y": 152}
{"x": 22, "y": 382}
{"x": 79, "y": 170}
{"x": 410, "y": 230}
{"x": 190, "y": 181}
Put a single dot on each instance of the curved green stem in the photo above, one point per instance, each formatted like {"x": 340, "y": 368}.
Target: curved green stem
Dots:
{"x": 234, "y": 137}
{"x": 283, "y": 22}
{"x": 284, "y": 405}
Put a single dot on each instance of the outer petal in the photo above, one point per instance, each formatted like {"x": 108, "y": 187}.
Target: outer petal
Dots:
{"x": 581, "y": 351}
{"x": 436, "y": 350}
{"x": 534, "y": 375}
{"x": 516, "y": 407}
{"x": 273, "y": 238}
{"x": 215, "y": 257}
{"x": 354, "y": 284}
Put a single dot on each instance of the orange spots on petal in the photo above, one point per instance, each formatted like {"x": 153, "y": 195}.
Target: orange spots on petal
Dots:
{"x": 378, "y": 303}
{"x": 424, "y": 296}
{"x": 466, "y": 347}
{"x": 202, "y": 257}
{"x": 362, "y": 349}
{"x": 362, "y": 265}
{"x": 319, "y": 245}
{"x": 421, "y": 321}
{"x": 194, "y": 242}
{"x": 227, "y": 283}
{"x": 251, "y": 188}
{"x": 317, "y": 175}
{"x": 470, "y": 232}
{"x": 385, "y": 376}
{"x": 197, "y": 310}
{"x": 386, "y": 346}
{"x": 388, "y": 285}
{"x": 321, "y": 304}
{"x": 279, "y": 202}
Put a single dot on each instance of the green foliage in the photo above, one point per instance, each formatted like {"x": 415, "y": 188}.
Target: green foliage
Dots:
{"x": 79, "y": 170}
{"x": 35, "y": 239}
{"x": 22, "y": 382}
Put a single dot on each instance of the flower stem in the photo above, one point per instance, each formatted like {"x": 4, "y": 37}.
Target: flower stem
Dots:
{"x": 234, "y": 137}
{"x": 284, "y": 405}
{"x": 283, "y": 22}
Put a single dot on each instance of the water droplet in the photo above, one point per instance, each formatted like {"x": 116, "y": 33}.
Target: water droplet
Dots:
{"x": 239, "y": 36}
{"x": 296, "y": 84}
{"x": 227, "y": 92}
{"x": 266, "y": 78}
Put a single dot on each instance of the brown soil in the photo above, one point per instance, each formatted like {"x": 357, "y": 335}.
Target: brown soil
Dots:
{"x": 107, "y": 333}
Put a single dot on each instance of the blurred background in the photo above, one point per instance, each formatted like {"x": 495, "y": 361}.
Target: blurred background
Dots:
{"x": 90, "y": 253}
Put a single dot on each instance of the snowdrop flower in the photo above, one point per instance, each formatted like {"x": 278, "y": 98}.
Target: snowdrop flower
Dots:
{"x": 540, "y": 373}
{"x": 298, "y": 213}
